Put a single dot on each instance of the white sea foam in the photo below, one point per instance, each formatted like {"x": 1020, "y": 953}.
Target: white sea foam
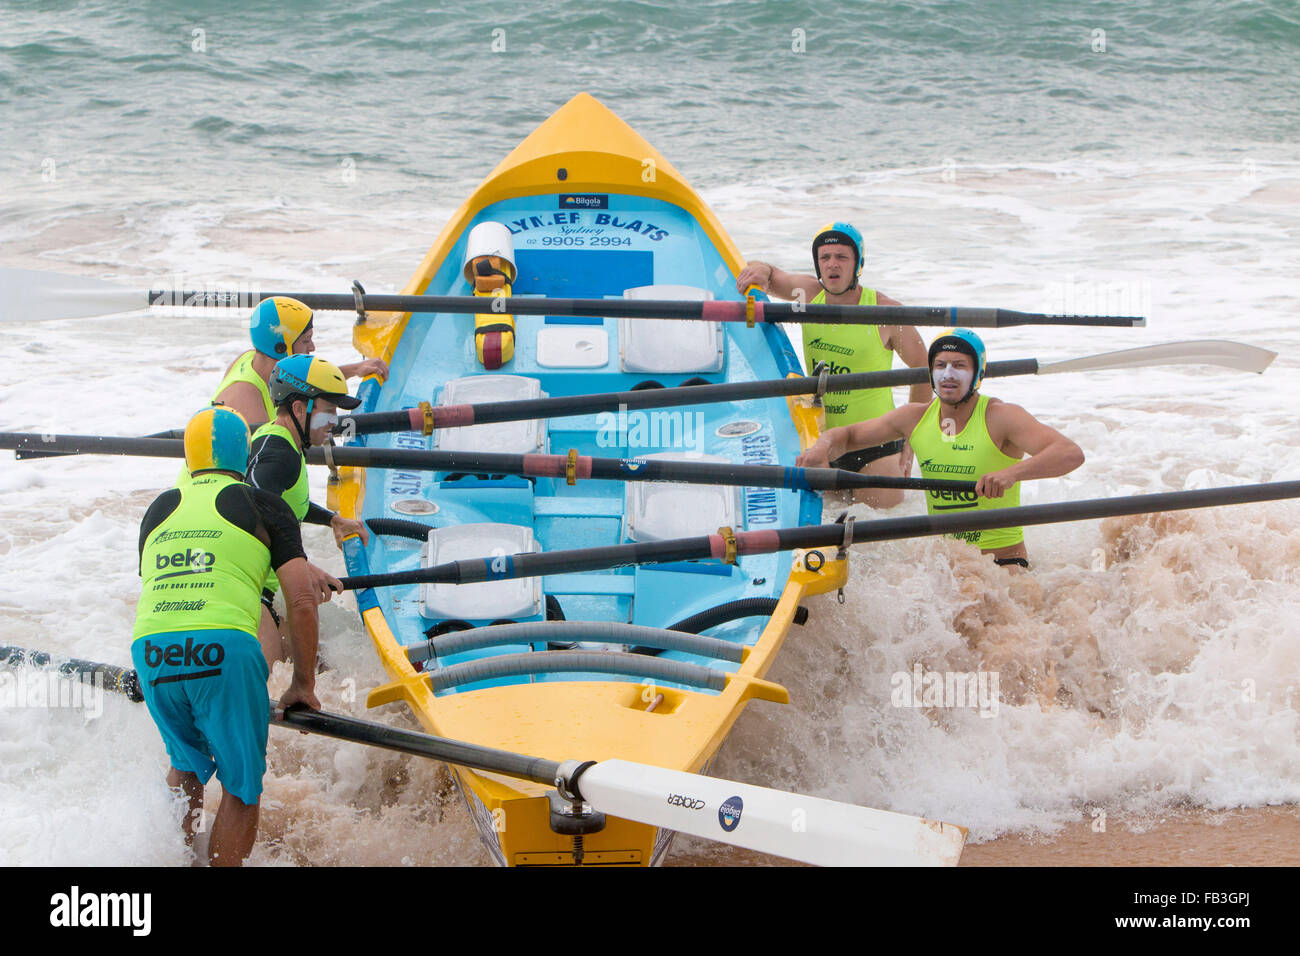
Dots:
{"x": 1142, "y": 663}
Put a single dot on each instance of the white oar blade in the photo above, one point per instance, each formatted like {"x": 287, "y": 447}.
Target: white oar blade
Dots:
{"x": 1245, "y": 358}
{"x": 30, "y": 296}
{"x": 808, "y": 829}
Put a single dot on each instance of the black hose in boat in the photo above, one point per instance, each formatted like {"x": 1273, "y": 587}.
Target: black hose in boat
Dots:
{"x": 400, "y": 527}
{"x": 721, "y": 614}
{"x": 731, "y": 611}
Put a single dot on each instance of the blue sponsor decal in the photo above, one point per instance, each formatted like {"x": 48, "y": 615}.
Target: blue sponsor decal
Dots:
{"x": 729, "y": 813}
{"x": 583, "y": 201}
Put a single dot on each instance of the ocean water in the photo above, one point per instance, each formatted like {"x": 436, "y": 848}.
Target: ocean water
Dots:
{"x": 1101, "y": 156}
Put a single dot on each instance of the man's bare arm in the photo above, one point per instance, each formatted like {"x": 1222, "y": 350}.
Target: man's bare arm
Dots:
{"x": 300, "y": 603}
{"x": 837, "y": 442}
{"x": 1051, "y": 454}
{"x": 777, "y": 282}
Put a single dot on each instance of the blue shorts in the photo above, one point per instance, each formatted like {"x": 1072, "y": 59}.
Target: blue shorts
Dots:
{"x": 206, "y": 691}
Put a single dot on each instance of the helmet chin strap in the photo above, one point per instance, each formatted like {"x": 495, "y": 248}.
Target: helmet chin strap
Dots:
{"x": 829, "y": 292}
{"x": 303, "y": 435}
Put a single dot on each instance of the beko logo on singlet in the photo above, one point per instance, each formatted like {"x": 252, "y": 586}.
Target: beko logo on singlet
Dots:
{"x": 960, "y": 499}
{"x": 188, "y": 561}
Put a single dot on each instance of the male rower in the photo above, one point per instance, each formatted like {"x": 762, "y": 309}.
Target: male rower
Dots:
{"x": 206, "y": 547}
{"x": 279, "y": 327}
{"x": 838, "y": 259}
{"x": 963, "y": 435}
{"x": 307, "y": 392}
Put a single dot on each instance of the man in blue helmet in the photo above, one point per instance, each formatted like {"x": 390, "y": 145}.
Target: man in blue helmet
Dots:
{"x": 307, "y": 393}
{"x": 206, "y": 547}
{"x": 965, "y": 436}
{"x": 278, "y": 327}
{"x": 838, "y": 259}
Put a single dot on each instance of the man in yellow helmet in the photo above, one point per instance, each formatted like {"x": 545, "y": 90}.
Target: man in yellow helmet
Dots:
{"x": 965, "y": 436}
{"x": 307, "y": 393}
{"x": 279, "y": 327}
{"x": 206, "y": 547}
{"x": 838, "y": 259}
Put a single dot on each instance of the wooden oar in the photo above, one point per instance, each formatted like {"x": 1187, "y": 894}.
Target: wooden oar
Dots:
{"x": 28, "y": 296}
{"x": 1245, "y": 358}
{"x": 740, "y": 543}
{"x": 538, "y": 466}
{"x": 828, "y": 833}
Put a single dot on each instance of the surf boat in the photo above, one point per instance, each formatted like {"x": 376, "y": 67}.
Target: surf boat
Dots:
{"x": 600, "y": 664}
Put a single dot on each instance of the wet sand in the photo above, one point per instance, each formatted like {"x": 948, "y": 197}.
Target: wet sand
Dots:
{"x": 1263, "y": 836}
{"x": 1254, "y": 837}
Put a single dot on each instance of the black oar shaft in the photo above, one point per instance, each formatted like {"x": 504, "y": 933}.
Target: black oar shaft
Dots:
{"x": 121, "y": 680}
{"x": 93, "y": 445}
{"x": 453, "y": 416}
{"x": 424, "y": 745}
{"x": 626, "y": 469}
{"x": 23, "y": 454}
{"x": 821, "y": 536}
{"x": 540, "y": 466}
{"x": 125, "y": 681}
{"x": 713, "y": 310}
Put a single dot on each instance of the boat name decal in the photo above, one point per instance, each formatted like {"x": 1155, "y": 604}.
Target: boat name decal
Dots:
{"x": 685, "y": 802}
{"x": 526, "y": 223}
{"x": 760, "y": 503}
{"x": 729, "y": 813}
{"x": 407, "y": 484}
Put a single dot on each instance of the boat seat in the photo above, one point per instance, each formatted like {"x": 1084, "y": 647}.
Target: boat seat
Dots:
{"x": 513, "y": 598}
{"x": 669, "y": 345}
{"x": 658, "y": 510}
{"x": 572, "y": 346}
{"x": 512, "y": 438}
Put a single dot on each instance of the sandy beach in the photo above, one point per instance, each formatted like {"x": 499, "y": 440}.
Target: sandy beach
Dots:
{"x": 1261, "y": 836}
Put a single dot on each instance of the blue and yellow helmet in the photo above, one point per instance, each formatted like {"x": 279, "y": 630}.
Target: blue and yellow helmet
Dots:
{"x": 838, "y": 233}
{"x": 309, "y": 377}
{"x": 216, "y": 439}
{"x": 961, "y": 340}
{"x": 276, "y": 324}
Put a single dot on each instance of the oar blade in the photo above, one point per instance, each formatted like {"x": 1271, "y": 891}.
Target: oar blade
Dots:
{"x": 1221, "y": 352}
{"x": 27, "y": 295}
{"x": 807, "y": 829}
